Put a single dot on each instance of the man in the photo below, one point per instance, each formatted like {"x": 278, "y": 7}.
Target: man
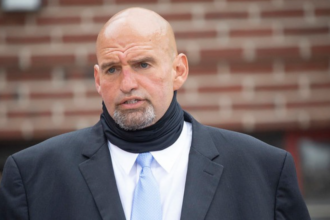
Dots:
{"x": 200, "y": 172}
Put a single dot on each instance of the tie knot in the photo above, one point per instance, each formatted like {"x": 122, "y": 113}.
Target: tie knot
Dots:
{"x": 144, "y": 159}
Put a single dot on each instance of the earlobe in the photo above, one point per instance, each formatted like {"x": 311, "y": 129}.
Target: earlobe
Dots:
{"x": 181, "y": 69}
{"x": 97, "y": 78}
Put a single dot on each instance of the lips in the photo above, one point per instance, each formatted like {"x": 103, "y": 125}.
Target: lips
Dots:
{"x": 131, "y": 101}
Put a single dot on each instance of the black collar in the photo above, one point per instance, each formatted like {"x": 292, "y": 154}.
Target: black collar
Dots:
{"x": 156, "y": 137}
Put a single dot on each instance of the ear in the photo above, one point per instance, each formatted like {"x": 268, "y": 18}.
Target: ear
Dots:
{"x": 97, "y": 78}
{"x": 181, "y": 68}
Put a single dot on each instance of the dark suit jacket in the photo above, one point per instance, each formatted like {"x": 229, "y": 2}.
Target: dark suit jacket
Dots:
{"x": 231, "y": 176}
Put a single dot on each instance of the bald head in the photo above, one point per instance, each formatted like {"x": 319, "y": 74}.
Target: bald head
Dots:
{"x": 133, "y": 23}
{"x": 138, "y": 67}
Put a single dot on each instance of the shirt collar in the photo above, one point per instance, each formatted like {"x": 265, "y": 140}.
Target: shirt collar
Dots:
{"x": 165, "y": 158}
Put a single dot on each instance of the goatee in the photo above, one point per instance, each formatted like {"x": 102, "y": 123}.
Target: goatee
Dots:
{"x": 135, "y": 119}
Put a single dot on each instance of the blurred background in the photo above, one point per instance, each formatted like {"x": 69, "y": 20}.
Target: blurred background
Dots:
{"x": 260, "y": 67}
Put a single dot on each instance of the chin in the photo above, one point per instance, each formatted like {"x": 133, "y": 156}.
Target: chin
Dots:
{"x": 135, "y": 119}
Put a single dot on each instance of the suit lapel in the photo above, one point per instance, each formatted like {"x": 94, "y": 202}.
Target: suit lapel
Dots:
{"x": 98, "y": 173}
{"x": 201, "y": 183}
{"x": 203, "y": 174}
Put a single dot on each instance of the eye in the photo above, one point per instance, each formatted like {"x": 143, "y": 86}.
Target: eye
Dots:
{"x": 111, "y": 69}
{"x": 144, "y": 65}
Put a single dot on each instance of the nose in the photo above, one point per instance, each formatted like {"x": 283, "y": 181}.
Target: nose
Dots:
{"x": 128, "y": 81}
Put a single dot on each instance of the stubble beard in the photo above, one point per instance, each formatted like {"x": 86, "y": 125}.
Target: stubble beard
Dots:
{"x": 135, "y": 119}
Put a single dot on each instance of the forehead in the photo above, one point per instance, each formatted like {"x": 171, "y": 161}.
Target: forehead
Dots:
{"x": 122, "y": 38}
{"x": 124, "y": 31}
{"x": 139, "y": 22}
{"x": 128, "y": 54}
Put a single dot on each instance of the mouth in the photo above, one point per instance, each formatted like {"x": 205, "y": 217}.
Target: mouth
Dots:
{"x": 132, "y": 103}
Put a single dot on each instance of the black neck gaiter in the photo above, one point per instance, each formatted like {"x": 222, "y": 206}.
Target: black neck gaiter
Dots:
{"x": 156, "y": 137}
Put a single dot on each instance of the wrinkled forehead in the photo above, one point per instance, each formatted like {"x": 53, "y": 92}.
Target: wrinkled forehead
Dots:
{"x": 136, "y": 27}
{"x": 124, "y": 29}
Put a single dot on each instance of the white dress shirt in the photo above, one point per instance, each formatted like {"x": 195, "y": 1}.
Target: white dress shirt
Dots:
{"x": 169, "y": 168}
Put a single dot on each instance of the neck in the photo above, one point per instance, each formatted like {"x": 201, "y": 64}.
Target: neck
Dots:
{"x": 156, "y": 137}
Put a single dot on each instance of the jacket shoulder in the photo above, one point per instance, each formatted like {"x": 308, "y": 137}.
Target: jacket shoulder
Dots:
{"x": 240, "y": 141}
{"x": 61, "y": 146}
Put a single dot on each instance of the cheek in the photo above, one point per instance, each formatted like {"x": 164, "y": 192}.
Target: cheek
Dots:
{"x": 164, "y": 78}
{"x": 157, "y": 87}
{"x": 108, "y": 92}
{"x": 161, "y": 91}
{"x": 108, "y": 84}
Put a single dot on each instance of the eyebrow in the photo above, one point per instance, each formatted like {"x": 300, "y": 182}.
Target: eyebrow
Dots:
{"x": 148, "y": 59}
{"x": 107, "y": 65}
{"x": 142, "y": 60}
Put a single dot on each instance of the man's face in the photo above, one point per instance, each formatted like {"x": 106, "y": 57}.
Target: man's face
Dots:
{"x": 134, "y": 76}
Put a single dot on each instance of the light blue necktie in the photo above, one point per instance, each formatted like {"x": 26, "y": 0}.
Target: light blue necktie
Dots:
{"x": 146, "y": 200}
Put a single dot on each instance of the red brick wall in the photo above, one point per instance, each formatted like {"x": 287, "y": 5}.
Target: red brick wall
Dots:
{"x": 255, "y": 65}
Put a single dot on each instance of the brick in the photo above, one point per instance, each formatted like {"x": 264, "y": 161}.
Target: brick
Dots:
{"x": 306, "y": 31}
{"x": 251, "y": 68}
{"x": 74, "y": 74}
{"x": 290, "y": 60}
{"x": 227, "y": 15}
{"x": 85, "y": 72}
{"x": 302, "y": 65}
{"x": 101, "y": 18}
{"x": 248, "y": 0}
{"x": 282, "y": 13}
{"x": 82, "y": 112}
{"x": 253, "y": 106}
{"x": 251, "y": 33}
{"x": 201, "y": 108}
{"x": 57, "y": 20}
{"x": 5, "y": 96}
{"x": 43, "y": 133}
{"x": 276, "y": 88}
{"x": 51, "y": 95}
{"x": 91, "y": 94}
{"x": 10, "y": 135}
{"x": 322, "y": 12}
{"x": 220, "y": 89}
{"x": 196, "y": 34}
{"x": 6, "y": 61}
{"x": 28, "y": 39}
{"x": 202, "y": 69}
{"x": 134, "y": 1}
{"x": 233, "y": 126}
{"x": 29, "y": 74}
{"x": 320, "y": 124}
{"x": 80, "y": 2}
{"x": 15, "y": 19}
{"x": 28, "y": 114}
{"x": 323, "y": 85}
{"x": 175, "y": 1}
{"x": 277, "y": 52}
{"x": 45, "y": 2}
{"x": 321, "y": 50}
{"x": 220, "y": 54}
{"x": 308, "y": 104}
{"x": 278, "y": 126}
{"x": 177, "y": 17}
{"x": 79, "y": 38}
{"x": 184, "y": 51}
{"x": 52, "y": 60}
{"x": 91, "y": 58}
